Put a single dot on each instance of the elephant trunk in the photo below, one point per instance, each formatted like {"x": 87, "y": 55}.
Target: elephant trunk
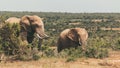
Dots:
{"x": 41, "y": 33}
{"x": 82, "y": 43}
{"x": 40, "y": 40}
{"x": 39, "y": 44}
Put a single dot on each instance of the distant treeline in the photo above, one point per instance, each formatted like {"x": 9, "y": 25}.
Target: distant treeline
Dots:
{"x": 55, "y": 22}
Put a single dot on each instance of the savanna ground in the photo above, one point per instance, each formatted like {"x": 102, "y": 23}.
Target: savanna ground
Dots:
{"x": 113, "y": 61}
{"x": 100, "y": 40}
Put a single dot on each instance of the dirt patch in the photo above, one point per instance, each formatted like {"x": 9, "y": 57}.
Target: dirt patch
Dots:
{"x": 113, "y": 61}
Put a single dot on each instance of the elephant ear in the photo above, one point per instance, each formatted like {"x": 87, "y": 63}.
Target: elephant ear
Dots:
{"x": 24, "y": 23}
{"x": 72, "y": 35}
{"x": 30, "y": 18}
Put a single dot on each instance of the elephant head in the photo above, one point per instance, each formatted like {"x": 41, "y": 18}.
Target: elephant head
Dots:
{"x": 72, "y": 37}
{"x": 32, "y": 24}
{"x": 78, "y": 36}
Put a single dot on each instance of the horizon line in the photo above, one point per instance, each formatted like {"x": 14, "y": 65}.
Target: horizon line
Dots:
{"x": 57, "y": 11}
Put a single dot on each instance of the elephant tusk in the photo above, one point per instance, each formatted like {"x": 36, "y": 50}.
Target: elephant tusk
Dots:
{"x": 39, "y": 36}
{"x": 46, "y": 36}
{"x": 79, "y": 42}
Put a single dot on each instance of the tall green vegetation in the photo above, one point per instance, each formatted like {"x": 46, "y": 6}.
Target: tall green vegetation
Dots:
{"x": 98, "y": 43}
{"x": 9, "y": 41}
{"x": 12, "y": 45}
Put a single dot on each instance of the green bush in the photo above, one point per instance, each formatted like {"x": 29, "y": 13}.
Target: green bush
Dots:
{"x": 36, "y": 57}
{"x": 9, "y": 38}
{"x": 97, "y": 48}
{"x": 72, "y": 52}
{"x": 69, "y": 59}
{"x": 28, "y": 54}
{"x": 12, "y": 45}
{"x": 116, "y": 45}
{"x": 47, "y": 51}
{"x": 96, "y": 52}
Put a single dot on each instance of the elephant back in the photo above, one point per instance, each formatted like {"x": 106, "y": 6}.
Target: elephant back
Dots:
{"x": 64, "y": 33}
{"x": 13, "y": 20}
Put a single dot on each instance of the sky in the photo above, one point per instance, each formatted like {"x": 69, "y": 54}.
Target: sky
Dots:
{"x": 74, "y": 6}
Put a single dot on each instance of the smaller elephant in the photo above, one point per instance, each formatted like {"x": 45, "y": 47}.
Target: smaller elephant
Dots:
{"x": 72, "y": 37}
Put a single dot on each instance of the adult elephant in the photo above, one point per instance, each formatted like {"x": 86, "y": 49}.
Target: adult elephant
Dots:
{"x": 30, "y": 25}
{"x": 72, "y": 37}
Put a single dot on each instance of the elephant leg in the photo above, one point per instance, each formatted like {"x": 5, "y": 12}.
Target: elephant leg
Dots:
{"x": 39, "y": 44}
{"x": 59, "y": 47}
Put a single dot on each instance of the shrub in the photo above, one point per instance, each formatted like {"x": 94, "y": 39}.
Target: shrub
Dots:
{"x": 12, "y": 45}
{"x": 47, "y": 51}
{"x": 72, "y": 52}
{"x": 9, "y": 40}
{"x": 69, "y": 59}
{"x": 116, "y": 45}
{"x": 96, "y": 52}
{"x": 97, "y": 48}
{"x": 28, "y": 54}
{"x": 36, "y": 57}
